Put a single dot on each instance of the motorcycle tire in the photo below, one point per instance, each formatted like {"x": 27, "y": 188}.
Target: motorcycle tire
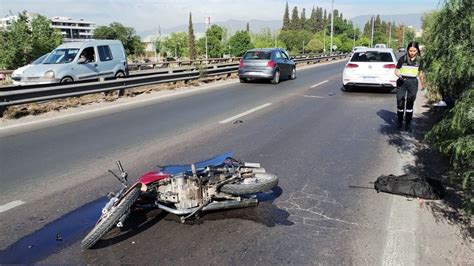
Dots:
{"x": 104, "y": 225}
{"x": 261, "y": 182}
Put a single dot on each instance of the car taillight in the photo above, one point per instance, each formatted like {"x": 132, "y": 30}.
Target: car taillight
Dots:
{"x": 271, "y": 64}
{"x": 352, "y": 65}
{"x": 241, "y": 63}
{"x": 389, "y": 66}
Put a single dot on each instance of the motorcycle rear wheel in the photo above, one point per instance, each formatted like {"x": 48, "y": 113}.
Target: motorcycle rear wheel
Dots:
{"x": 260, "y": 183}
{"x": 104, "y": 225}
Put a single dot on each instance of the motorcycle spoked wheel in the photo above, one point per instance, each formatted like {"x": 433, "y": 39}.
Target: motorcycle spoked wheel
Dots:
{"x": 105, "y": 224}
{"x": 260, "y": 183}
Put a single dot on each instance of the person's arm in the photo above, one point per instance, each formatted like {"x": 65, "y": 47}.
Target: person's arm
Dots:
{"x": 422, "y": 79}
{"x": 397, "y": 68}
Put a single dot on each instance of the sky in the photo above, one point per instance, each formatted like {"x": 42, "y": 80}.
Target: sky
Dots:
{"x": 145, "y": 15}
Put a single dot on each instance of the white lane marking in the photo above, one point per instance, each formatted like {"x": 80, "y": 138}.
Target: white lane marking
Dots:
{"x": 314, "y": 96}
{"x": 11, "y": 205}
{"x": 320, "y": 83}
{"x": 116, "y": 106}
{"x": 244, "y": 113}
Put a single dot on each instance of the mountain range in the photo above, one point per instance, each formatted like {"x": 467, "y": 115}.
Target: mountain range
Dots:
{"x": 232, "y": 26}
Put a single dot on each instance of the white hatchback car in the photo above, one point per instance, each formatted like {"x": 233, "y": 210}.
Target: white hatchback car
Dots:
{"x": 371, "y": 67}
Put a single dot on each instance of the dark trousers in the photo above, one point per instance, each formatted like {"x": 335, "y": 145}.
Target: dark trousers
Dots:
{"x": 406, "y": 92}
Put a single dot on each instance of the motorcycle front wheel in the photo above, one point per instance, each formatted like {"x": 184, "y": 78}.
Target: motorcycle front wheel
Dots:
{"x": 107, "y": 222}
{"x": 260, "y": 183}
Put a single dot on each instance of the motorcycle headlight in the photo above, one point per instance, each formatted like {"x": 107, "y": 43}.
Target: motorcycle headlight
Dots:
{"x": 49, "y": 74}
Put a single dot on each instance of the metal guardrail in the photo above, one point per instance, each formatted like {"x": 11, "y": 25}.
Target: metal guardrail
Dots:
{"x": 14, "y": 95}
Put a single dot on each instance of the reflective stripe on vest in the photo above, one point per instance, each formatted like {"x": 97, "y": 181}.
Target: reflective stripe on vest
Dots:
{"x": 409, "y": 71}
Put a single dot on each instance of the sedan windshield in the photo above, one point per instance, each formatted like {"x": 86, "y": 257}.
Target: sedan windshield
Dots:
{"x": 257, "y": 55}
{"x": 61, "y": 56}
{"x": 372, "y": 57}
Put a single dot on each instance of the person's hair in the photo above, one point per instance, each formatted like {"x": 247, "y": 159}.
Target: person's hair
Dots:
{"x": 414, "y": 44}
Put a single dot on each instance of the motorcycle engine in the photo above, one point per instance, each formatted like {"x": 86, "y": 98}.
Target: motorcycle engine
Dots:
{"x": 182, "y": 191}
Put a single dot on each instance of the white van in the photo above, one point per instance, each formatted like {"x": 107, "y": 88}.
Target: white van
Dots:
{"x": 380, "y": 45}
{"x": 77, "y": 61}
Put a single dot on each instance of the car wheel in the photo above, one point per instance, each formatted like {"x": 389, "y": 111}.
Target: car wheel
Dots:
{"x": 346, "y": 88}
{"x": 293, "y": 73}
{"x": 66, "y": 80}
{"x": 276, "y": 77}
{"x": 243, "y": 80}
{"x": 119, "y": 75}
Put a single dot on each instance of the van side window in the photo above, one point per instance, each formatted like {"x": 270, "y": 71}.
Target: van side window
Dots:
{"x": 88, "y": 54}
{"x": 104, "y": 53}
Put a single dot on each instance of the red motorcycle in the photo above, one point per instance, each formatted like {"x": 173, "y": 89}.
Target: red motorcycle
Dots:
{"x": 219, "y": 183}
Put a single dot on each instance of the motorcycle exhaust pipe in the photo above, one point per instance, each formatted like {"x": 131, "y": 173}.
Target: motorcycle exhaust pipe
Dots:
{"x": 223, "y": 205}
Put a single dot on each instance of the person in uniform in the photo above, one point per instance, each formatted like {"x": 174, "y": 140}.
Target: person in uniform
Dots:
{"x": 408, "y": 71}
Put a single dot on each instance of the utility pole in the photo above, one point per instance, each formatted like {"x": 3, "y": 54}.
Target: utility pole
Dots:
{"x": 390, "y": 35}
{"x": 207, "y": 21}
{"x": 372, "y": 36}
{"x": 332, "y": 22}
{"x": 324, "y": 40}
{"x": 354, "y": 41}
{"x": 303, "y": 47}
{"x": 403, "y": 36}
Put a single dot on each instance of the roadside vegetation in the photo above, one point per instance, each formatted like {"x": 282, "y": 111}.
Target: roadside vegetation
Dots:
{"x": 449, "y": 68}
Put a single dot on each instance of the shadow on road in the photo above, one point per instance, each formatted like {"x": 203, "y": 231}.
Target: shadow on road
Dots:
{"x": 427, "y": 162}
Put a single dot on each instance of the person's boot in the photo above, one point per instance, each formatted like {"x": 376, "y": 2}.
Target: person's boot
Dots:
{"x": 400, "y": 119}
{"x": 408, "y": 117}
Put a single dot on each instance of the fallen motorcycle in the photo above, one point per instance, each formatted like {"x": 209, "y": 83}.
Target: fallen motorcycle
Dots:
{"x": 219, "y": 183}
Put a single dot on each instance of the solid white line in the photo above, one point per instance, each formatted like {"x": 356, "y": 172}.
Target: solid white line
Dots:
{"x": 11, "y": 205}
{"x": 314, "y": 96}
{"x": 320, "y": 83}
{"x": 244, "y": 113}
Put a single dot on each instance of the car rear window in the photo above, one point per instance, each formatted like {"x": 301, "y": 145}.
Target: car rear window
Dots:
{"x": 372, "y": 57}
{"x": 258, "y": 55}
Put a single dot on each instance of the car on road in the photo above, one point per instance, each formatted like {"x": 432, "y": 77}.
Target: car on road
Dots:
{"x": 266, "y": 63}
{"x": 17, "y": 74}
{"x": 78, "y": 61}
{"x": 371, "y": 67}
{"x": 380, "y": 45}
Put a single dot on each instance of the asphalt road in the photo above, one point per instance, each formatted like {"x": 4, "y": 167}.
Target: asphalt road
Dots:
{"x": 319, "y": 140}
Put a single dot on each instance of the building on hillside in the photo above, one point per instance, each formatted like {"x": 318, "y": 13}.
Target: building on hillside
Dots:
{"x": 73, "y": 30}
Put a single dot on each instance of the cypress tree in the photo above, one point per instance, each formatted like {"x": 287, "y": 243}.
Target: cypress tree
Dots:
{"x": 191, "y": 39}
{"x": 295, "y": 20}
{"x": 303, "y": 19}
{"x": 247, "y": 28}
{"x": 286, "y": 18}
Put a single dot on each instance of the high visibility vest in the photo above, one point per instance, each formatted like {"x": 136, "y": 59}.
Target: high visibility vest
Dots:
{"x": 409, "y": 71}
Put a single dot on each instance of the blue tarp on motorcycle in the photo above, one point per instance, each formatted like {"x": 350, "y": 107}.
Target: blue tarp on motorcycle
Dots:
{"x": 410, "y": 185}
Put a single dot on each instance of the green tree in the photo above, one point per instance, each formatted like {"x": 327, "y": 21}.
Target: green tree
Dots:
{"x": 295, "y": 20}
{"x": 294, "y": 40}
{"x": 314, "y": 46}
{"x": 191, "y": 39}
{"x": 286, "y": 18}
{"x": 176, "y": 44}
{"x": 239, "y": 43}
{"x": 117, "y": 31}
{"x": 448, "y": 64}
{"x": 21, "y": 43}
{"x": 215, "y": 42}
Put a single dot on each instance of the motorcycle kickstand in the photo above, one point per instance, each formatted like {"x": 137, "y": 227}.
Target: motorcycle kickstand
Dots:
{"x": 195, "y": 212}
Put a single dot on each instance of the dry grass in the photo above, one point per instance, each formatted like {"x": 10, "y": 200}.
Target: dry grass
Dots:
{"x": 17, "y": 111}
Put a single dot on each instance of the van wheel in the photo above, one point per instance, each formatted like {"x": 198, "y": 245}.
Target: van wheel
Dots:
{"x": 66, "y": 80}
{"x": 276, "y": 77}
{"x": 119, "y": 75}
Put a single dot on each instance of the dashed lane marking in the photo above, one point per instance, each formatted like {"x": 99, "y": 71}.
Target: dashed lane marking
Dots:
{"x": 11, "y": 205}
{"x": 320, "y": 83}
{"x": 244, "y": 113}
